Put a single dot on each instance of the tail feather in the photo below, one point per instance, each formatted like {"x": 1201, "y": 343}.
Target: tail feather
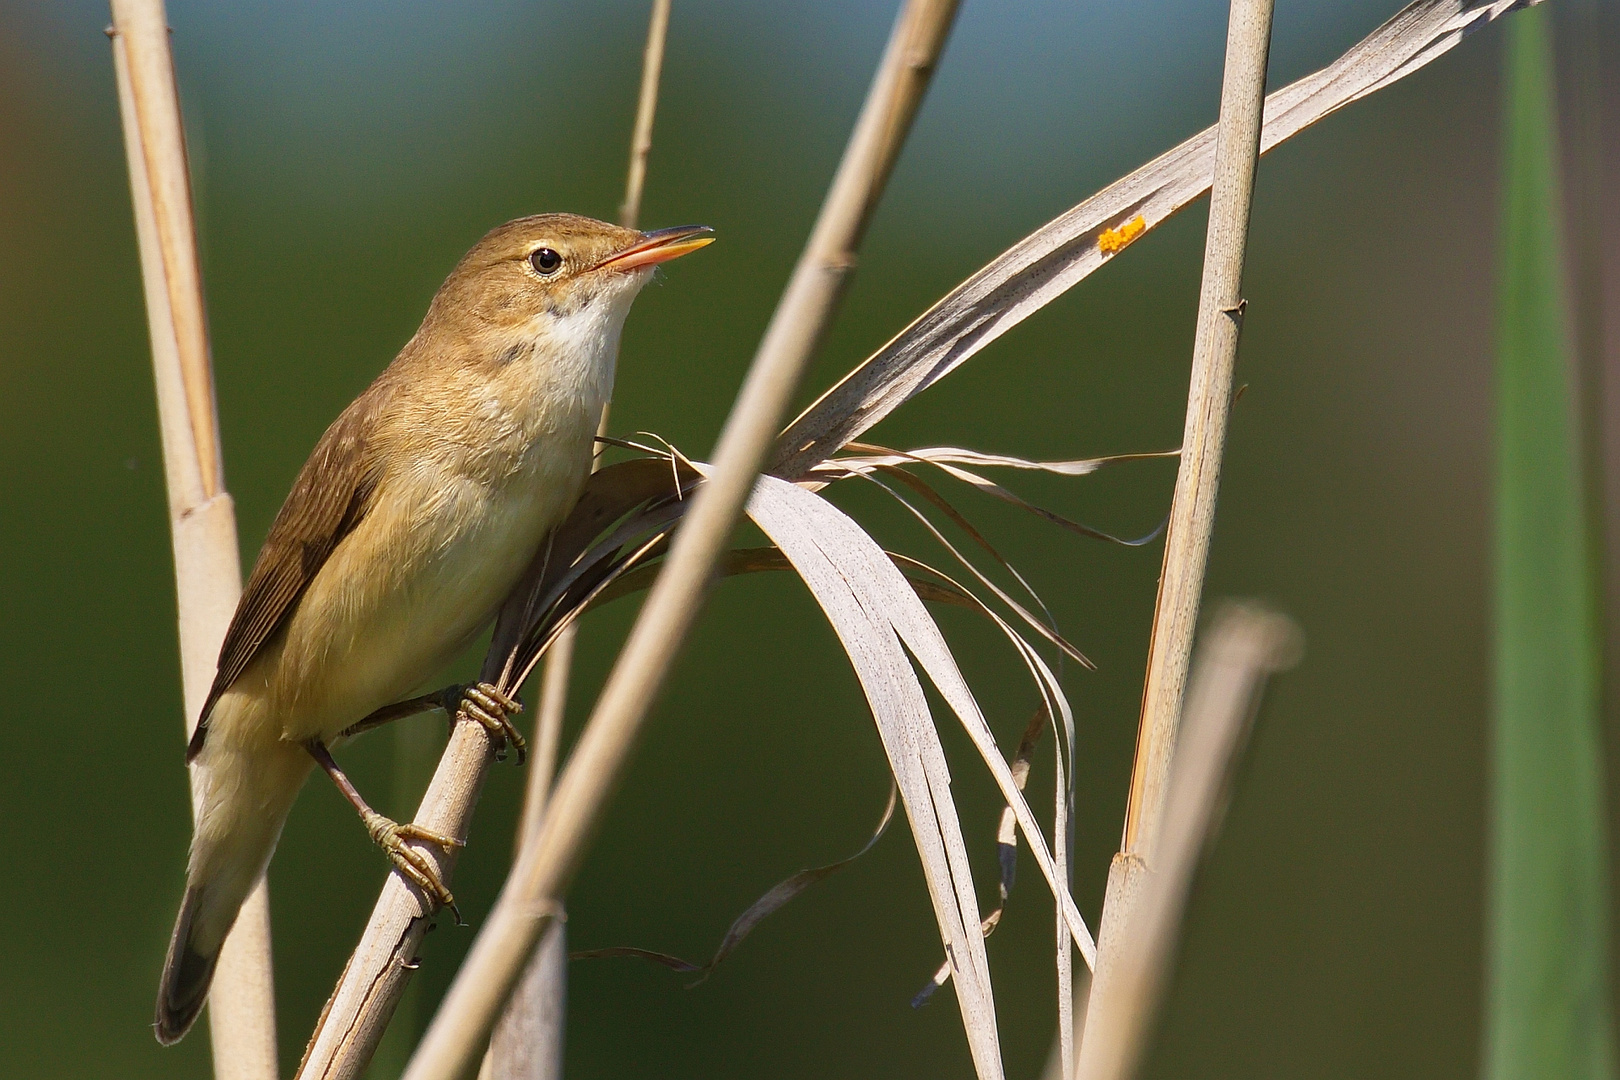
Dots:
{"x": 187, "y": 972}
{"x": 244, "y": 794}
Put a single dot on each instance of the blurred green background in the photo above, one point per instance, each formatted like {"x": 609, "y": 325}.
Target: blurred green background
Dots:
{"x": 345, "y": 157}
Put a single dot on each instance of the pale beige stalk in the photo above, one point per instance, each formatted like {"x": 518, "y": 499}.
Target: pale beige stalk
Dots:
{"x": 202, "y": 517}
{"x": 1192, "y": 513}
{"x": 652, "y": 66}
{"x": 457, "y": 1033}
{"x": 527, "y": 1043}
{"x": 1243, "y": 646}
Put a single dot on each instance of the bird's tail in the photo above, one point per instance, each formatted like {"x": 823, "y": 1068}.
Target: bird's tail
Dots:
{"x": 242, "y": 802}
{"x": 188, "y": 970}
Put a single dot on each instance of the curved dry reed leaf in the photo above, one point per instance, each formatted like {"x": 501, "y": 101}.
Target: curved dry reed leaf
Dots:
{"x": 609, "y": 495}
{"x": 1055, "y": 708}
{"x": 1046, "y": 682}
{"x": 1006, "y": 850}
{"x": 891, "y": 462}
{"x": 803, "y": 525}
{"x": 956, "y": 455}
{"x": 1044, "y": 628}
{"x": 639, "y": 499}
{"x": 1056, "y": 705}
{"x": 845, "y": 571}
{"x": 930, "y": 584}
{"x": 632, "y": 499}
{"x": 578, "y": 600}
{"x": 1062, "y": 253}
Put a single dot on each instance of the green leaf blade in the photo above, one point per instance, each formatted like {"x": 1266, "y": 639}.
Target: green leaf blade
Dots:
{"x": 1547, "y": 1002}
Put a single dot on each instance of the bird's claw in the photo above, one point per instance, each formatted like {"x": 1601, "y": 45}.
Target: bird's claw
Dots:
{"x": 487, "y": 704}
{"x": 414, "y": 866}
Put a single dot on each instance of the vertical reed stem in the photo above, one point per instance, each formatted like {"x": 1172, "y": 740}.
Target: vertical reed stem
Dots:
{"x": 416, "y": 754}
{"x": 652, "y": 66}
{"x": 527, "y": 1043}
{"x": 202, "y": 518}
{"x": 1192, "y": 514}
{"x": 1242, "y": 647}
{"x": 801, "y": 319}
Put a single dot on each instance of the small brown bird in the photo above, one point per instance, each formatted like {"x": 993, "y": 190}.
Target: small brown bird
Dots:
{"x": 414, "y": 517}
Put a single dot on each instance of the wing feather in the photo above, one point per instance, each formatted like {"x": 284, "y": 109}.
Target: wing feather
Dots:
{"x": 331, "y": 496}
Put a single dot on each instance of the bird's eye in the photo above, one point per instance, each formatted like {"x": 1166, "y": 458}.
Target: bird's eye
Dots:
{"x": 545, "y": 261}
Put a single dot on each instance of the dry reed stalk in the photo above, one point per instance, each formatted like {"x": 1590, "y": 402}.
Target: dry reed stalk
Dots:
{"x": 1241, "y": 648}
{"x": 1192, "y": 513}
{"x": 652, "y": 65}
{"x": 801, "y": 319}
{"x": 202, "y": 518}
{"x": 528, "y": 1040}
{"x": 527, "y": 1043}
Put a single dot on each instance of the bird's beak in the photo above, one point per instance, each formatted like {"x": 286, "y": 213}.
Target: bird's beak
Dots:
{"x": 658, "y": 246}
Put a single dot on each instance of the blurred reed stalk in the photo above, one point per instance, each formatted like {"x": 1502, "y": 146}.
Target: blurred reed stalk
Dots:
{"x": 652, "y": 66}
{"x": 1548, "y": 1011}
{"x": 527, "y": 1043}
{"x": 202, "y": 517}
{"x": 528, "y": 1039}
{"x": 1192, "y": 514}
{"x": 1242, "y": 646}
{"x": 796, "y": 329}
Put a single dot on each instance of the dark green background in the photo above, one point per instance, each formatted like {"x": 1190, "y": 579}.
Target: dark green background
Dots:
{"x": 344, "y": 159}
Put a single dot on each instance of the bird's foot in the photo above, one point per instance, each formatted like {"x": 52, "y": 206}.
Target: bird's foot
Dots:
{"x": 492, "y": 707}
{"x": 416, "y": 867}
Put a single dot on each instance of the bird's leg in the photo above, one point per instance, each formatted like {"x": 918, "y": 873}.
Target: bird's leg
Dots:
{"x": 492, "y": 707}
{"x": 391, "y": 836}
{"x": 446, "y": 699}
{"x": 484, "y": 703}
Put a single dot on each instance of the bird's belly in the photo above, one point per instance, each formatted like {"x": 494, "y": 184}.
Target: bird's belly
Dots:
{"x": 403, "y": 594}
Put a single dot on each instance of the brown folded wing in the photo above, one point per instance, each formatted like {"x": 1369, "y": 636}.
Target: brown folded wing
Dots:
{"x": 332, "y": 494}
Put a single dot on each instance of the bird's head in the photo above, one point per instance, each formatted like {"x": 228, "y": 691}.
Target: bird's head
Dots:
{"x": 556, "y": 269}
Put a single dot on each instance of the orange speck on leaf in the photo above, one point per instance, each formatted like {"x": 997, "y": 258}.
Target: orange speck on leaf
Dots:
{"x": 1111, "y": 240}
